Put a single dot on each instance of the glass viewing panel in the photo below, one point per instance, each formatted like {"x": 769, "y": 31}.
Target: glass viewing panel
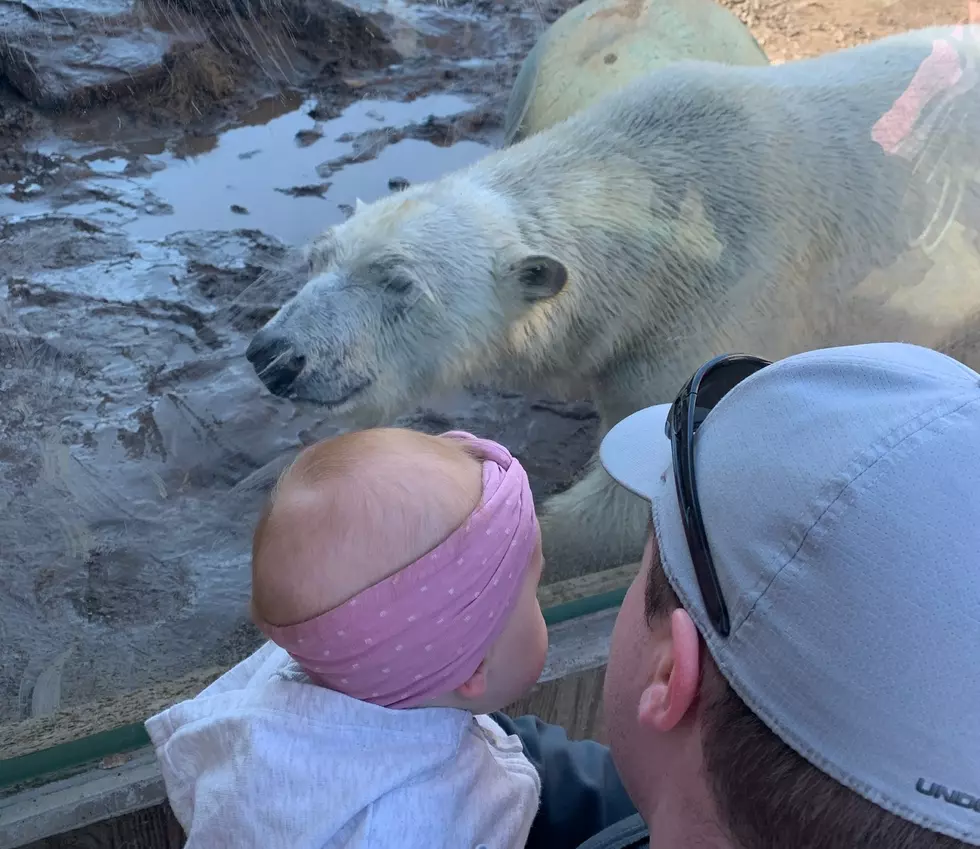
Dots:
{"x": 136, "y": 442}
{"x": 143, "y": 244}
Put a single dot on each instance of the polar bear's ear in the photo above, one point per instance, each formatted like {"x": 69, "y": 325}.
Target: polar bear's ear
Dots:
{"x": 317, "y": 254}
{"x": 540, "y": 277}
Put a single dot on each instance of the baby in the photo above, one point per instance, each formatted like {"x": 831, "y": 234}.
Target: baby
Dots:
{"x": 395, "y": 574}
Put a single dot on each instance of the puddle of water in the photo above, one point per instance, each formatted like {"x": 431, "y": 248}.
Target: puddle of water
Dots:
{"x": 209, "y": 183}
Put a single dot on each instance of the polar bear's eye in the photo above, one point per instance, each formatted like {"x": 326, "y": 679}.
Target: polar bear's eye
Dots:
{"x": 390, "y": 276}
{"x": 398, "y": 283}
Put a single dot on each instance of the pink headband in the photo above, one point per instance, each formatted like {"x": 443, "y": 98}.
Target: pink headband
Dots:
{"x": 423, "y": 631}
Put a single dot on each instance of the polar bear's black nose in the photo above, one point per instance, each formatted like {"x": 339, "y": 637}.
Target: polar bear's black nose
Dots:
{"x": 275, "y": 361}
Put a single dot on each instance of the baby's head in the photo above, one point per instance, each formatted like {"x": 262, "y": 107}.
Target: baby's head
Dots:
{"x": 402, "y": 569}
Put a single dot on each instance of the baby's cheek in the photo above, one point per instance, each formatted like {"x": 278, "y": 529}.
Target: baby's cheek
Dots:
{"x": 540, "y": 641}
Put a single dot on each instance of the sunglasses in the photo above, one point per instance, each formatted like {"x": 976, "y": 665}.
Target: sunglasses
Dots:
{"x": 698, "y": 397}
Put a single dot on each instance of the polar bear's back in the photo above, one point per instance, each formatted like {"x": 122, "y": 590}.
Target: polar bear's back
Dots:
{"x": 815, "y": 221}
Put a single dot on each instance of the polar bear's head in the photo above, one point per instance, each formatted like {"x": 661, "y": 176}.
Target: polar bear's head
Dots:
{"x": 415, "y": 293}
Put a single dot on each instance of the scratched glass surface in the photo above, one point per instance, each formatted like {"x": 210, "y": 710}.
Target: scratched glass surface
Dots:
{"x": 137, "y": 260}
{"x": 137, "y": 444}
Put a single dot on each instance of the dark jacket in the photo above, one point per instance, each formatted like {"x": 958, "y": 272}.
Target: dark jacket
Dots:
{"x": 583, "y": 803}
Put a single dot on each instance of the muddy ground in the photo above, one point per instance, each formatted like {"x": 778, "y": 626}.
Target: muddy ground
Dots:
{"x": 157, "y": 162}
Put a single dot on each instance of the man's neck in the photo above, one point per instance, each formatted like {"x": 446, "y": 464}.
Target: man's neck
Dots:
{"x": 706, "y": 838}
{"x": 685, "y": 819}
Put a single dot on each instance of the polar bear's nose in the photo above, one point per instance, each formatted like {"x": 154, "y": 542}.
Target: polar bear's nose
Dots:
{"x": 275, "y": 361}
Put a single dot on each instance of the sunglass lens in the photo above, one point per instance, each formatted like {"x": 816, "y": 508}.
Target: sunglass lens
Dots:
{"x": 718, "y": 382}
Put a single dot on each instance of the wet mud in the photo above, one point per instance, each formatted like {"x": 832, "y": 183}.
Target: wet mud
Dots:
{"x": 159, "y": 166}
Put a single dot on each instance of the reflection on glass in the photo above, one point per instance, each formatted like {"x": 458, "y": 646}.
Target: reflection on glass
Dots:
{"x": 137, "y": 441}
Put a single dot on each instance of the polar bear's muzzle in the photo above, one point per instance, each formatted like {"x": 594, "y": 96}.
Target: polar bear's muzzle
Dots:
{"x": 284, "y": 370}
{"x": 276, "y": 361}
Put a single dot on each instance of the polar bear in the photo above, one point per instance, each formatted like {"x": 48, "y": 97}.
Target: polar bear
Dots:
{"x": 700, "y": 209}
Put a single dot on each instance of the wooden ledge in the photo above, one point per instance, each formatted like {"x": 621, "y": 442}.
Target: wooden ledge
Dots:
{"x": 568, "y": 692}
{"x": 553, "y": 596}
{"x": 560, "y": 601}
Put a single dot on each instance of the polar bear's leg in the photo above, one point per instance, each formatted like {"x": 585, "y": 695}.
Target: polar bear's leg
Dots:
{"x": 593, "y": 525}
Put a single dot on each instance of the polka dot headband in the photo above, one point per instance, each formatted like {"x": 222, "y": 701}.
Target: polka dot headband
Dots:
{"x": 423, "y": 631}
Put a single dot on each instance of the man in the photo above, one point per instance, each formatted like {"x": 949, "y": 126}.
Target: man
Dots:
{"x": 795, "y": 665}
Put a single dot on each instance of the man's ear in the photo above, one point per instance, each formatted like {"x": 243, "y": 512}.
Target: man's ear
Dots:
{"x": 539, "y": 276}
{"x": 475, "y": 686}
{"x": 673, "y": 690}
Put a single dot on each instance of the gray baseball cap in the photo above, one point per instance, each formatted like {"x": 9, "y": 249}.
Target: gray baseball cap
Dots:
{"x": 840, "y": 491}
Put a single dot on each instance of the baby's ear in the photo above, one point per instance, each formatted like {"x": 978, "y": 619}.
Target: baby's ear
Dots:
{"x": 539, "y": 276}
{"x": 475, "y": 686}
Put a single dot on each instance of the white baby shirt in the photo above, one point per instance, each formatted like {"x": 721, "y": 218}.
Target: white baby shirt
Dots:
{"x": 262, "y": 758}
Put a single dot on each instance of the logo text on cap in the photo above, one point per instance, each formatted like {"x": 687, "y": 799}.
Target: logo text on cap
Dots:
{"x": 953, "y": 797}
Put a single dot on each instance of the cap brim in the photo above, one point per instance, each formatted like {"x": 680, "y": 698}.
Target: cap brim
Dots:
{"x": 636, "y": 451}
{"x": 637, "y": 454}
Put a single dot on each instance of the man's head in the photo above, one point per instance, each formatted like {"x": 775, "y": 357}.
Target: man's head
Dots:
{"x": 839, "y": 492}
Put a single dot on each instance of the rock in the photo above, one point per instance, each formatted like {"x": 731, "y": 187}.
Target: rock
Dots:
{"x": 315, "y": 190}
{"x": 61, "y": 52}
{"x": 142, "y": 166}
{"x": 600, "y": 45}
{"x": 15, "y": 120}
{"x": 326, "y": 110}
{"x": 343, "y": 33}
{"x": 304, "y": 138}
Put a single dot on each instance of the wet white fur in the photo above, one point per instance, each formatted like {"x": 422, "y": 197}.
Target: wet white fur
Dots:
{"x": 703, "y": 209}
